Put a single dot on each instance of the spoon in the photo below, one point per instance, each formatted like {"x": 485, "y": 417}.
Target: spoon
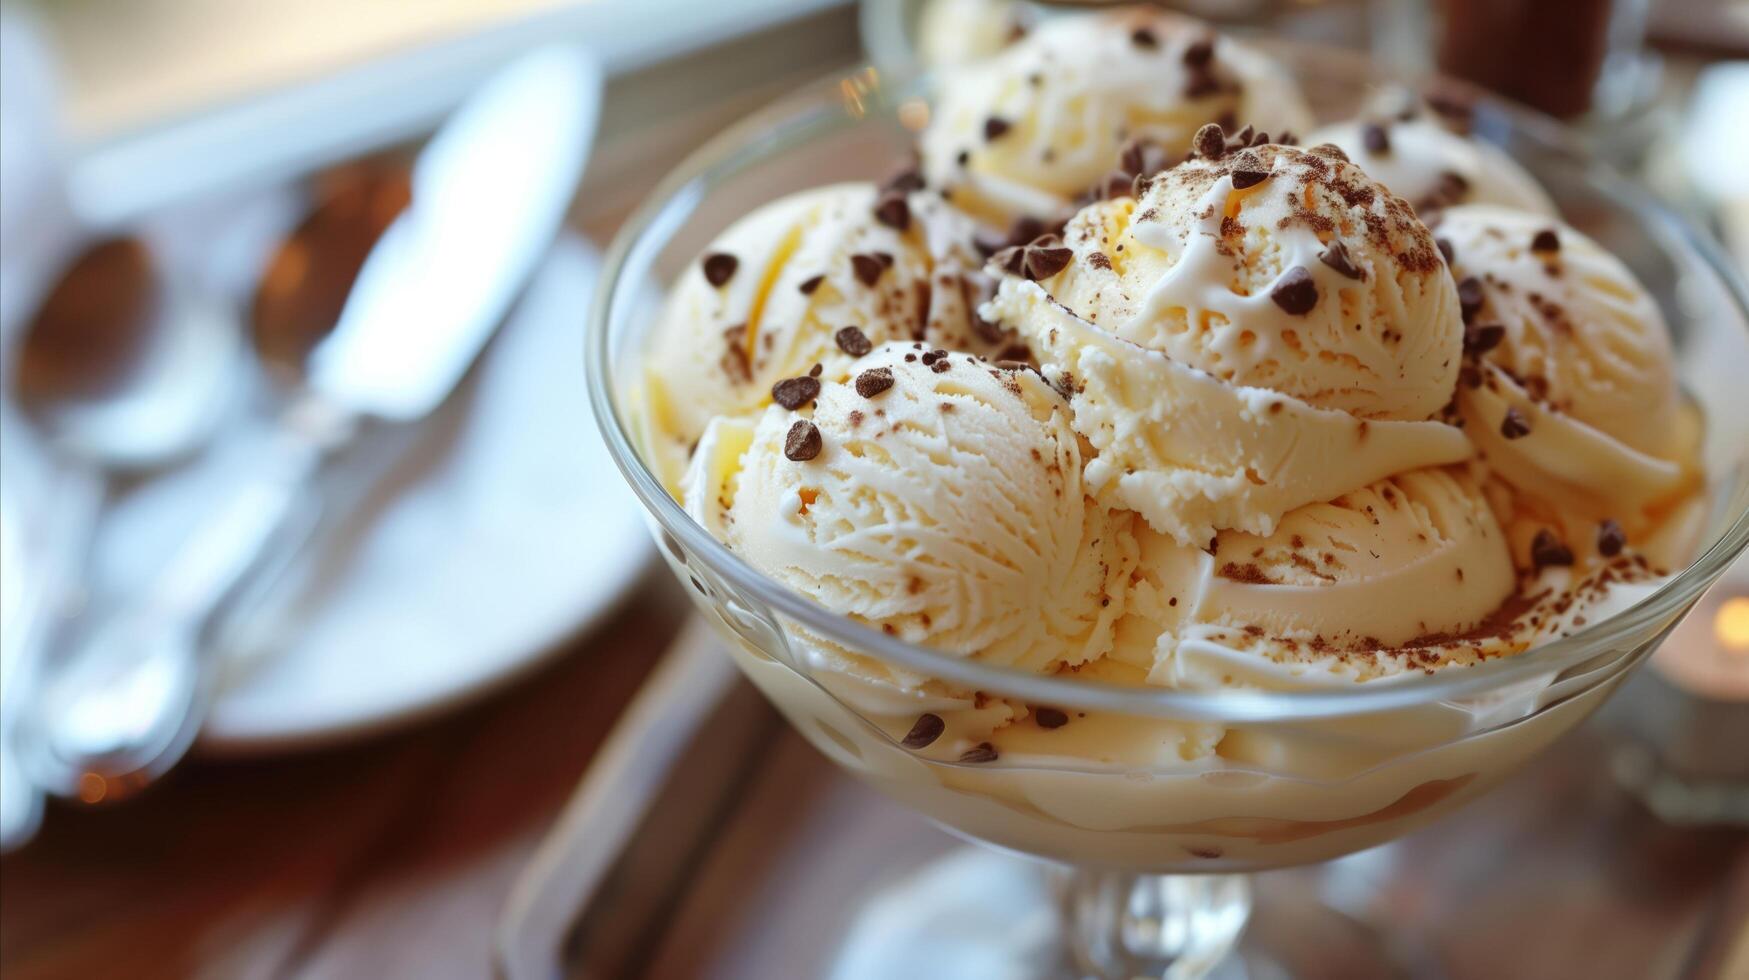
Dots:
{"x": 488, "y": 194}
{"x": 119, "y": 371}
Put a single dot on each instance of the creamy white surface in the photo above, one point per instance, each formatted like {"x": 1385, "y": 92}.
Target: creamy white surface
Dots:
{"x": 1073, "y": 91}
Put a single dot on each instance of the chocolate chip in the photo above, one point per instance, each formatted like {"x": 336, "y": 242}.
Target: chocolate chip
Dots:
{"x": 924, "y": 733}
{"x": 1446, "y": 249}
{"x": 1144, "y": 38}
{"x": 963, "y": 157}
{"x": 1375, "y": 139}
{"x": 941, "y": 366}
{"x": 1546, "y": 550}
{"x": 1514, "y": 425}
{"x": 931, "y": 356}
{"x": 982, "y": 752}
{"x": 893, "y": 211}
{"x": 1482, "y": 338}
{"x": 1469, "y": 293}
{"x": 1295, "y": 292}
{"x": 803, "y": 442}
{"x": 719, "y": 268}
{"x": 1545, "y": 241}
{"x": 1248, "y": 178}
{"x": 1210, "y": 142}
{"x": 1050, "y": 717}
{"x": 793, "y": 393}
{"x": 814, "y": 371}
{"x": 810, "y": 284}
{"x": 1337, "y": 257}
{"x": 1199, "y": 53}
{"x": 1610, "y": 538}
{"x": 994, "y": 127}
{"x": 874, "y": 381}
{"x": 852, "y": 341}
{"x": 867, "y": 268}
{"x": 904, "y": 182}
{"x": 1047, "y": 257}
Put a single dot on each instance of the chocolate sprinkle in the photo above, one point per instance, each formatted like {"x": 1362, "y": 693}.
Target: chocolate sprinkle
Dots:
{"x": 1375, "y": 139}
{"x": 852, "y": 341}
{"x": 1546, "y": 550}
{"x": 1610, "y": 538}
{"x": 924, "y": 733}
{"x": 1144, "y": 38}
{"x": 892, "y": 210}
{"x": 1514, "y": 425}
{"x": 1446, "y": 249}
{"x": 1210, "y": 141}
{"x": 1295, "y": 292}
{"x": 803, "y": 442}
{"x": 868, "y": 268}
{"x": 982, "y": 752}
{"x": 1199, "y": 53}
{"x": 1050, "y": 717}
{"x": 810, "y": 284}
{"x": 793, "y": 393}
{"x": 1336, "y": 257}
{"x": 1248, "y": 178}
{"x": 1042, "y": 259}
{"x": 1469, "y": 293}
{"x": 1545, "y": 241}
{"x": 994, "y": 127}
{"x": 1483, "y": 338}
{"x": 719, "y": 268}
{"x": 874, "y": 381}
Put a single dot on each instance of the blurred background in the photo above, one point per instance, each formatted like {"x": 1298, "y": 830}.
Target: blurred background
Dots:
{"x": 396, "y": 602}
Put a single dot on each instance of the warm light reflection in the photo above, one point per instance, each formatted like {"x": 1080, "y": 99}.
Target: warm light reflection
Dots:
{"x": 1731, "y": 625}
{"x": 914, "y": 115}
{"x": 856, "y": 86}
{"x": 92, "y": 788}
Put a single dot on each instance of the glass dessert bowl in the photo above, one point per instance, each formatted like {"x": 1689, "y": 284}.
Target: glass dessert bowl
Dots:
{"x": 1160, "y": 799}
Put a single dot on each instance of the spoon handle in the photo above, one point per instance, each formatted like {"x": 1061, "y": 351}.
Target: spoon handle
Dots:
{"x": 123, "y": 703}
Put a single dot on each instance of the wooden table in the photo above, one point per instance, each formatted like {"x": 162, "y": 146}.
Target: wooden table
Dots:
{"x": 389, "y": 858}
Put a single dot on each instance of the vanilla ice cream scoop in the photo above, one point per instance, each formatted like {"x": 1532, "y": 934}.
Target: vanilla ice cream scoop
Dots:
{"x": 775, "y": 293}
{"x": 936, "y": 497}
{"x": 1432, "y": 167}
{"x": 1377, "y": 580}
{"x": 1263, "y": 329}
{"x": 1026, "y": 132}
{"x": 1571, "y": 392}
{"x": 1275, "y": 267}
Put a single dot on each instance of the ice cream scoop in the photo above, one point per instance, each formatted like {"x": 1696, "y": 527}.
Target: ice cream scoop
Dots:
{"x": 1275, "y": 267}
{"x": 1264, "y": 329}
{"x": 817, "y": 277}
{"x": 933, "y": 495}
{"x": 1026, "y": 132}
{"x": 1431, "y": 167}
{"x": 1570, "y": 392}
{"x": 1377, "y": 580}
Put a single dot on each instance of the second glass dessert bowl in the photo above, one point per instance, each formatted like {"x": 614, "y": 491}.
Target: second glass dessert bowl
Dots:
{"x": 1164, "y": 783}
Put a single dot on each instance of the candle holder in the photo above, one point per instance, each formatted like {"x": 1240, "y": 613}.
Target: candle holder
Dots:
{"x": 1686, "y": 718}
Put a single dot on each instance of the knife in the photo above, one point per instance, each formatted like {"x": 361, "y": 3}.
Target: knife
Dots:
{"x": 121, "y": 705}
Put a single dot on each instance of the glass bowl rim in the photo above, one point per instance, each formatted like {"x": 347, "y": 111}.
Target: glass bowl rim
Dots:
{"x": 819, "y": 110}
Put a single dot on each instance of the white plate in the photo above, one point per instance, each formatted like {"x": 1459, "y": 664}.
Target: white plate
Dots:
{"x": 499, "y": 529}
